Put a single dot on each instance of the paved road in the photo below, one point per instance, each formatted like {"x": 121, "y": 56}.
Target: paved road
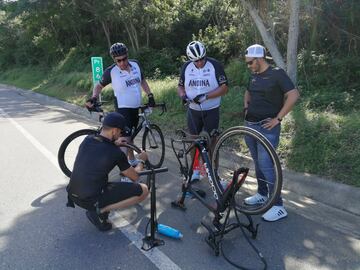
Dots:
{"x": 37, "y": 231}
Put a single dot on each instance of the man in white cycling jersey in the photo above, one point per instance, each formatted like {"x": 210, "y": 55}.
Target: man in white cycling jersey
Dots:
{"x": 202, "y": 81}
{"x": 127, "y": 79}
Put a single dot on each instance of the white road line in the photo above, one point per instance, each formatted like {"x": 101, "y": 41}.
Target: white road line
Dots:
{"x": 32, "y": 139}
{"x": 158, "y": 258}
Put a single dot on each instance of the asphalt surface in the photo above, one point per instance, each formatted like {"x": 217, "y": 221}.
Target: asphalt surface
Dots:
{"x": 38, "y": 232}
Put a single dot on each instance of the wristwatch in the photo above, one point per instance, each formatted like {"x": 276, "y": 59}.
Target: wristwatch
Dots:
{"x": 279, "y": 119}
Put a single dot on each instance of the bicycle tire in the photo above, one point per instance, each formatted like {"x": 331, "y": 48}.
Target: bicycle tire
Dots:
{"x": 231, "y": 153}
{"x": 155, "y": 149}
{"x": 69, "y": 148}
{"x": 66, "y": 164}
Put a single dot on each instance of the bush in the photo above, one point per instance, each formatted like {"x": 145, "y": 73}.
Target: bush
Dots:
{"x": 237, "y": 73}
{"x": 158, "y": 63}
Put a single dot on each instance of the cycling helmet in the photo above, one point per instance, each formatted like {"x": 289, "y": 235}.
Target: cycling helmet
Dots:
{"x": 195, "y": 51}
{"x": 118, "y": 49}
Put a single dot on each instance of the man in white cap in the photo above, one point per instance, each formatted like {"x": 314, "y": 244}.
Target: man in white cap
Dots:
{"x": 269, "y": 97}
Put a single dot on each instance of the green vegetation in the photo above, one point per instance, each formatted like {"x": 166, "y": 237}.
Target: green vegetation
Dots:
{"x": 50, "y": 54}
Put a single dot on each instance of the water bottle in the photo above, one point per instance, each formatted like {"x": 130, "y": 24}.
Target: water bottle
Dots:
{"x": 168, "y": 231}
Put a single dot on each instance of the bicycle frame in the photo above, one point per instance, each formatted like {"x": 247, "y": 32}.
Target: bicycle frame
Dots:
{"x": 144, "y": 121}
{"x": 220, "y": 195}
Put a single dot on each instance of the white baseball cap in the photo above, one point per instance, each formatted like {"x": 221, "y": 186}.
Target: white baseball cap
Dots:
{"x": 256, "y": 51}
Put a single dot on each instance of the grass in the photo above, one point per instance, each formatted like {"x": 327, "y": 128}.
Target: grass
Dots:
{"x": 322, "y": 141}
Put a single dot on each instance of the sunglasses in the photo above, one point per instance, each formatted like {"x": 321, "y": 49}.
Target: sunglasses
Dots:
{"x": 249, "y": 63}
{"x": 119, "y": 60}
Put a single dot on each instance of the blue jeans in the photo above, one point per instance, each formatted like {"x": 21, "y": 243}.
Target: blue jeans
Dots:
{"x": 264, "y": 167}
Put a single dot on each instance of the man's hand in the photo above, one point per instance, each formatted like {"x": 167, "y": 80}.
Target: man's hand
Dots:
{"x": 90, "y": 103}
{"x": 151, "y": 100}
{"x": 184, "y": 99}
{"x": 271, "y": 123}
{"x": 142, "y": 156}
{"x": 200, "y": 98}
{"x": 120, "y": 142}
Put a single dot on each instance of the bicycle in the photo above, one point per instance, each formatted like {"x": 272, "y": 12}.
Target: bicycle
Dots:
{"x": 152, "y": 139}
{"x": 231, "y": 168}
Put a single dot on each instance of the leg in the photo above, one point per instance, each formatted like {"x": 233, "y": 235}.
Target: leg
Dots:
{"x": 132, "y": 119}
{"x": 195, "y": 125}
{"x": 211, "y": 122}
{"x": 122, "y": 195}
{"x": 127, "y": 202}
{"x": 253, "y": 147}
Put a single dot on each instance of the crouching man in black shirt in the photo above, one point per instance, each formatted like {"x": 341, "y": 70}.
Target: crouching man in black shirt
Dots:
{"x": 89, "y": 187}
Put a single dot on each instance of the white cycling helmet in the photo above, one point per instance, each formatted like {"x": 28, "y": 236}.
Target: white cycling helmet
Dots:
{"x": 195, "y": 51}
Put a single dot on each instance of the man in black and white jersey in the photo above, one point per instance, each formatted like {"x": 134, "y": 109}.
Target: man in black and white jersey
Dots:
{"x": 127, "y": 79}
{"x": 203, "y": 81}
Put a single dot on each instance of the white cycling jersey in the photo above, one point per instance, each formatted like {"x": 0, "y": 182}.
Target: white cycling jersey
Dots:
{"x": 202, "y": 81}
{"x": 126, "y": 85}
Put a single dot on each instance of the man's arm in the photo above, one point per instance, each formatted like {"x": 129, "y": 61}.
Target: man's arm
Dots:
{"x": 290, "y": 99}
{"x": 96, "y": 92}
{"x": 247, "y": 98}
{"x": 218, "y": 92}
{"x": 132, "y": 173}
{"x": 145, "y": 86}
{"x": 181, "y": 91}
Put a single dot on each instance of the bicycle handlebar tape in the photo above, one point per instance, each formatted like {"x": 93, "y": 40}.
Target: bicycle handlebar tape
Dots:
{"x": 169, "y": 231}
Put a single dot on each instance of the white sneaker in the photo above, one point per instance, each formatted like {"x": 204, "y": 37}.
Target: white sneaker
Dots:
{"x": 195, "y": 176}
{"x": 255, "y": 199}
{"x": 275, "y": 213}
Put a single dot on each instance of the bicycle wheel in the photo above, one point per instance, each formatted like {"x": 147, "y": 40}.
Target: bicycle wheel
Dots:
{"x": 231, "y": 153}
{"x": 69, "y": 149}
{"x": 153, "y": 143}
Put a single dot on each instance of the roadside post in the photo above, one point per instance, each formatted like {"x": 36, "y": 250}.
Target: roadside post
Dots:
{"x": 97, "y": 69}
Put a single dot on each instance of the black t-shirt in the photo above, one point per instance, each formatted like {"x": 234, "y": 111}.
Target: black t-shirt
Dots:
{"x": 267, "y": 91}
{"x": 97, "y": 156}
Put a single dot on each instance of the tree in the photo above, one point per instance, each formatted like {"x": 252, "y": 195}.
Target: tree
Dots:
{"x": 269, "y": 40}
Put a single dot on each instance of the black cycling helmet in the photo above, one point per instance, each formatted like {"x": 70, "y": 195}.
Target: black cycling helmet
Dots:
{"x": 118, "y": 49}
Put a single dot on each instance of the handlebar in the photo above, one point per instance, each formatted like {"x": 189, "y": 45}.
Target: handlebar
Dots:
{"x": 96, "y": 107}
{"x": 158, "y": 105}
{"x": 155, "y": 171}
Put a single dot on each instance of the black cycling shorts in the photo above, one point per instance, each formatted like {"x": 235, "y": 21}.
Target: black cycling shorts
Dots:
{"x": 203, "y": 120}
{"x": 132, "y": 118}
{"x": 117, "y": 192}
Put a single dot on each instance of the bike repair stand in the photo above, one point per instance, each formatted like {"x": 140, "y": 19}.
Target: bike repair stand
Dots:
{"x": 216, "y": 236}
{"x": 149, "y": 241}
